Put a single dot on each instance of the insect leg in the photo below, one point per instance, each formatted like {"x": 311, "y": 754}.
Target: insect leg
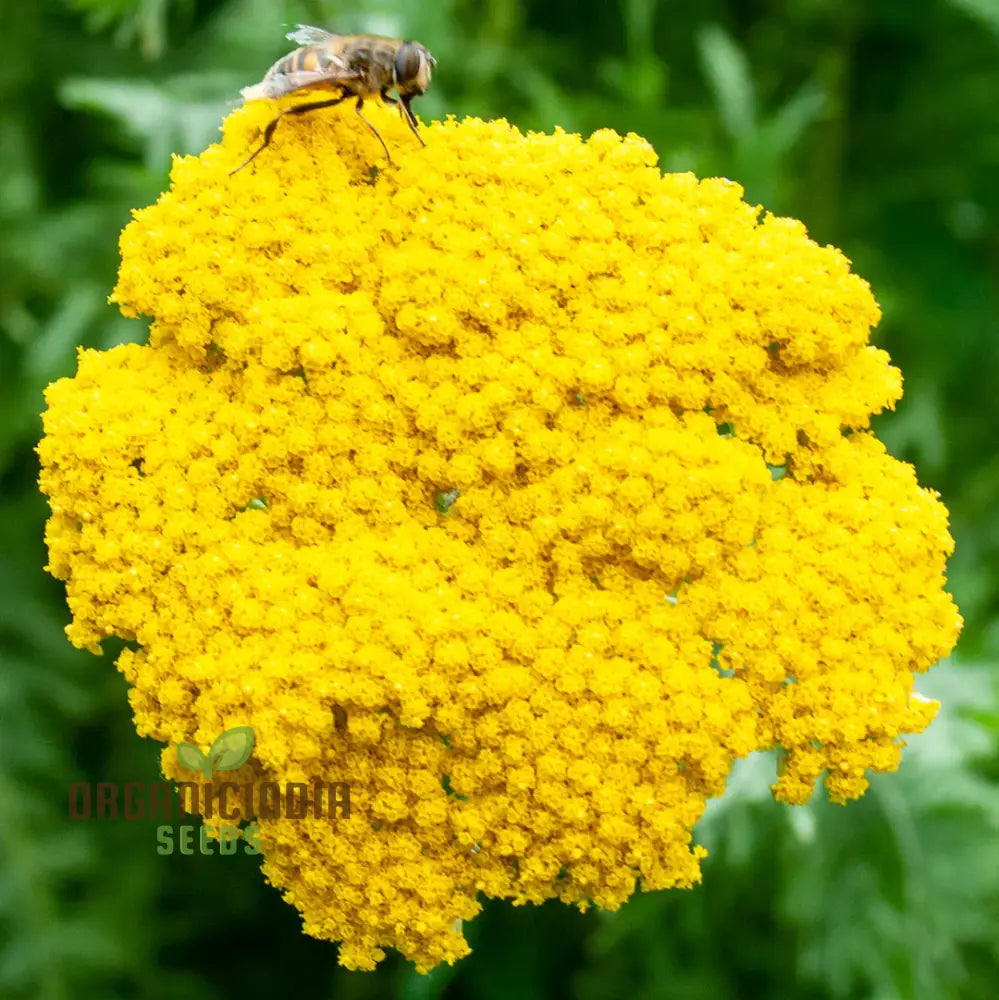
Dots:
{"x": 410, "y": 118}
{"x": 298, "y": 109}
{"x": 386, "y": 98}
{"x": 357, "y": 108}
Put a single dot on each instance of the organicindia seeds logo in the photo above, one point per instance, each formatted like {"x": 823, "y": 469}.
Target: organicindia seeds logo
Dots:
{"x": 566, "y": 498}
{"x": 225, "y": 802}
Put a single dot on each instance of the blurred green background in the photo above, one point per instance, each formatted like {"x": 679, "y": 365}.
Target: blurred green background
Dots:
{"x": 877, "y": 124}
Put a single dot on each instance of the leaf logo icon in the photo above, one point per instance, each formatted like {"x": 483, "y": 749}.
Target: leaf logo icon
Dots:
{"x": 229, "y": 751}
{"x": 191, "y": 757}
{"x": 232, "y": 749}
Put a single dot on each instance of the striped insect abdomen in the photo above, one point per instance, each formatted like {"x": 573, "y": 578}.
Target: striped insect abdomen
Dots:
{"x": 311, "y": 58}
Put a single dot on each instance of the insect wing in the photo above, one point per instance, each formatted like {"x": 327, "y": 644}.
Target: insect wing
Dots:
{"x": 306, "y": 34}
{"x": 279, "y": 84}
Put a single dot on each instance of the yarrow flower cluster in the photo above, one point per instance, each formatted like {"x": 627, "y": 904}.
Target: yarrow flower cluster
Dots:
{"x": 518, "y": 485}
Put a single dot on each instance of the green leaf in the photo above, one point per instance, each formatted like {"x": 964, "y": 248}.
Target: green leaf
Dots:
{"x": 232, "y": 749}
{"x": 188, "y": 110}
{"x": 727, "y": 70}
{"x": 985, "y": 11}
{"x": 790, "y": 122}
{"x": 444, "y": 501}
{"x": 190, "y": 757}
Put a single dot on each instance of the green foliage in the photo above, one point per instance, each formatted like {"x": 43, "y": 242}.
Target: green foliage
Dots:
{"x": 875, "y": 123}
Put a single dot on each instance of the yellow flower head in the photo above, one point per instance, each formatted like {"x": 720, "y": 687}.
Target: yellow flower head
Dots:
{"x": 515, "y": 484}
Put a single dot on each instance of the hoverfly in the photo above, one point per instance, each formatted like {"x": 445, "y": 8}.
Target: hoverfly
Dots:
{"x": 359, "y": 66}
